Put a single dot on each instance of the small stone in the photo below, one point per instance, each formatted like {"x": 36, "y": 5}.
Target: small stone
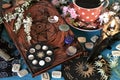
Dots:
{"x": 49, "y": 52}
{"x": 53, "y": 19}
{"x": 71, "y": 50}
{"x": 34, "y": 62}
{"x": 45, "y": 76}
{"x": 81, "y": 39}
{"x": 116, "y": 53}
{"x": 38, "y": 47}
{"x": 5, "y": 6}
{"x": 56, "y": 74}
{"x": 118, "y": 47}
{"x": 47, "y": 59}
{"x": 44, "y": 47}
{"x": 22, "y": 73}
{"x": 64, "y": 27}
{"x": 32, "y": 50}
{"x": 15, "y": 67}
{"x": 20, "y": 2}
{"x": 94, "y": 38}
{"x": 41, "y": 62}
{"x": 89, "y": 45}
{"x": 30, "y": 57}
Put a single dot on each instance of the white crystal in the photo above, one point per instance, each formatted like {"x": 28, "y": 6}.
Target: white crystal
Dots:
{"x": 22, "y": 73}
{"x": 94, "y": 38}
{"x": 15, "y": 67}
{"x": 56, "y": 74}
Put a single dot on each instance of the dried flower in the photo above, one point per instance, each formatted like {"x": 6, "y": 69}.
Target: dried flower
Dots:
{"x": 98, "y": 64}
{"x": 55, "y": 2}
{"x": 72, "y": 13}
{"x": 113, "y": 60}
{"x": 67, "y": 10}
{"x": 27, "y": 27}
{"x": 59, "y": 3}
{"x": 64, "y": 1}
{"x": 116, "y": 6}
{"x": 104, "y": 18}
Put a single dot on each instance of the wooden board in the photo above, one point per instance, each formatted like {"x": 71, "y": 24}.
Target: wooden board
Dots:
{"x": 42, "y": 31}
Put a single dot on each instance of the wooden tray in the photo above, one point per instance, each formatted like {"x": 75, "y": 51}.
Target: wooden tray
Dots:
{"x": 42, "y": 31}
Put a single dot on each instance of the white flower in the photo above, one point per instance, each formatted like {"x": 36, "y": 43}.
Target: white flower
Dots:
{"x": 20, "y": 15}
{"x": 113, "y": 62}
{"x": 17, "y": 26}
{"x": 116, "y": 6}
{"x": 28, "y": 21}
{"x": 27, "y": 27}
{"x": 18, "y": 9}
{"x": 65, "y": 10}
{"x": 104, "y": 18}
{"x": 64, "y": 1}
{"x": 6, "y": 18}
{"x": 29, "y": 38}
{"x": 101, "y": 71}
{"x": 111, "y": 13}
{"x": 19, "y": 20}
{"x": 117, "y": 19}
{"x": 104, "y": 77}
{"x": 98, "y": 64}
{"x": 26, "y": 4}
{"x": 10, "y": 16}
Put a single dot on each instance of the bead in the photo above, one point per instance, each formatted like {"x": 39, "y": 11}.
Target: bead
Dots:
{"x": 41, "y": 62}
{"x": 47, "y": 59}
{"x": 32, "y": 50}
{"x": 30, "y": 57}
{"x": 38, "y": 47}
{"x": 34, "y": 62}
{"x": 44, "y": 47}
{"x": 49, "y": 52}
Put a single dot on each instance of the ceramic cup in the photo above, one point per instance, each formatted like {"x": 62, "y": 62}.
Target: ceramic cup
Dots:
{"x": 89, "y": 10}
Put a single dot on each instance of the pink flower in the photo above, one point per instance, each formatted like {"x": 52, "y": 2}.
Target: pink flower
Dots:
{"x": 55, "y": 2}
{"x": 72, "y": 13}
{"x": 65, "y": 10}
